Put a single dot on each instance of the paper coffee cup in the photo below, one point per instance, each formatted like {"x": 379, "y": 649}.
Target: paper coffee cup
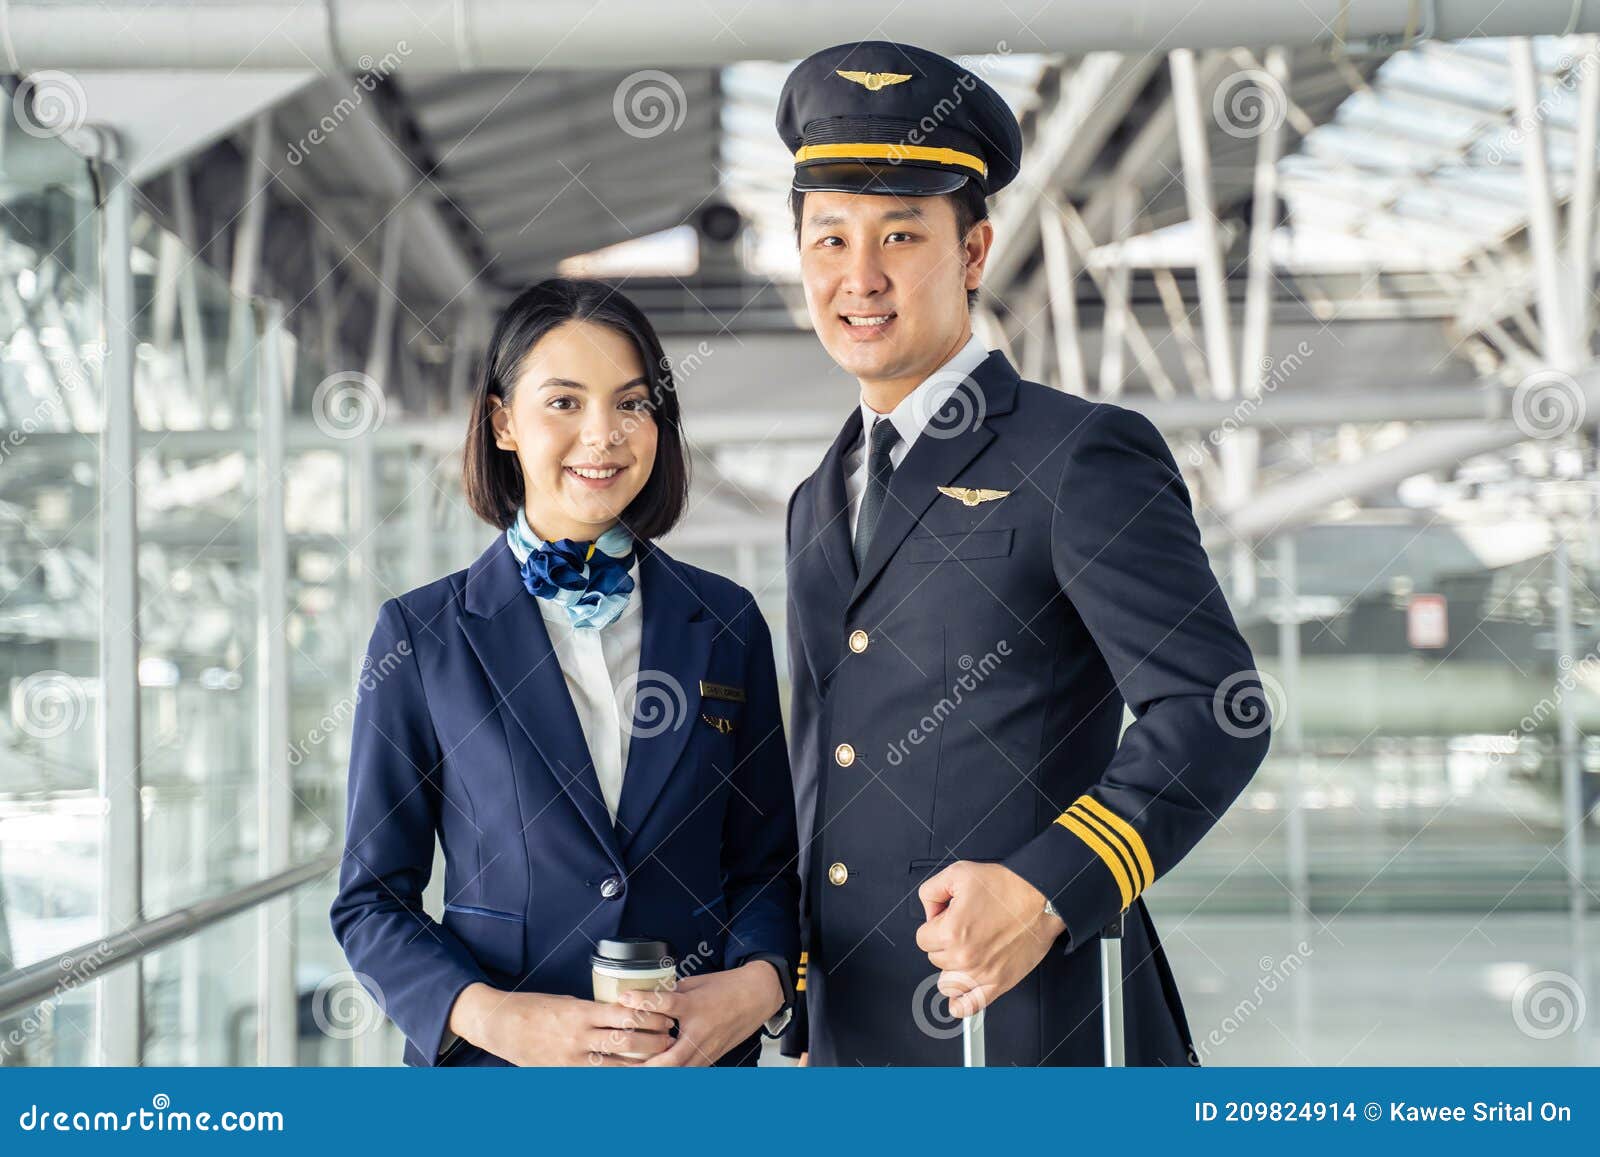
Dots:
{"x": 632, "y": 963}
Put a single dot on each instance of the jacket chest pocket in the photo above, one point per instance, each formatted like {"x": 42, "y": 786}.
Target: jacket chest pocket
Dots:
{"x": 930, "y": 549}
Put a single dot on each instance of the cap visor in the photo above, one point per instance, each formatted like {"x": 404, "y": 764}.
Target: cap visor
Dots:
{"x": 855, "y": 177}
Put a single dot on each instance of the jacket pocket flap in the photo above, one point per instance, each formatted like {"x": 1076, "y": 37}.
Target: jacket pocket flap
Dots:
{"x": 494, "y": 938}
{"x": 929, "y": 548}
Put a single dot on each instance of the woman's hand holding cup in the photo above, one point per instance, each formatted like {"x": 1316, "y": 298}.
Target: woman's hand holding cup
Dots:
{"x": 534, "y": 1028}
{"x": 714, "y": 1011}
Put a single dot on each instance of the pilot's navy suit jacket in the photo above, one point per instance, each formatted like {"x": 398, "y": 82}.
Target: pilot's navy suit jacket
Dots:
{"x": 465, "y": 733}
{"x": 961, "y": 698}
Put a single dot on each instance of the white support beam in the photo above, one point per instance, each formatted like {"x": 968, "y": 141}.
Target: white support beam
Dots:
{"x": 380, "y": 347}
{"x": 1580, "y": 217}
{"x": 467, "y": 35}
{"x": 251, "y": 220}
{"x": 1094, "y": 99}
{"x": 1176, "y": 309}
{"x": 194, "y": 338}
{"x": 1210, "y": 274}
{"x": 331, "y": 352}
{"x": 990, "y": 332}
{"x": 435, "y": 257}
{"x": 1118, "y": 318}
{"x": 1264, "y": 219}
{"x": 1211, "y": 277}
{"x": 1553, "y": 291}
{"x": 1062, "y": 290}
{"x": 1305, "y": 497}
{"x": 1160, "y": 382}
{"x": 277, "y": 1019}
{"x": 119, "y": 997}
{"x": 1574, "y": 820}
{"x": 1149, "y": 157}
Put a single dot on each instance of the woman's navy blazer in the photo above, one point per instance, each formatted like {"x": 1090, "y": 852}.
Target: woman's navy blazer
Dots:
{"x": 465, "y": 733}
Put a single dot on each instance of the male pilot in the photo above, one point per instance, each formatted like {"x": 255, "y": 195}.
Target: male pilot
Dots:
{"x": 982, "y": 572}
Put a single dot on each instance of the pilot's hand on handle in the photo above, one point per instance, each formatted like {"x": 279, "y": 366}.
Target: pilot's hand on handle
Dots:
{"x": 986, "y": 929}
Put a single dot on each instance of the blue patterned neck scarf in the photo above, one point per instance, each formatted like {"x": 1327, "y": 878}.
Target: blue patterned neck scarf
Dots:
{"x": 589, "y": 579}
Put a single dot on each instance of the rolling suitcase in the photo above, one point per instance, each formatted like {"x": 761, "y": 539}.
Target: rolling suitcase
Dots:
{"x": 1111, "y": 1026}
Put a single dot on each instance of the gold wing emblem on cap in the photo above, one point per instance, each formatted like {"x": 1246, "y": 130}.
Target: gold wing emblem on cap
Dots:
{"x": 969, "y": 497}
{"x": 873, "y": 81}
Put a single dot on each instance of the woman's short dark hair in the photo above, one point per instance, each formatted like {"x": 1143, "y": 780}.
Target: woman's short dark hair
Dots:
{"x": 492, "y": 477}
{"x": 968, "y": 202}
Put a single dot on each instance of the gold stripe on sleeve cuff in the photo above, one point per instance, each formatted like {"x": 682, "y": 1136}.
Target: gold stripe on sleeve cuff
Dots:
{"x": 1124, "y": 829}
{"x": 1115, "y": 843}
{"x": 1098, "y": 846}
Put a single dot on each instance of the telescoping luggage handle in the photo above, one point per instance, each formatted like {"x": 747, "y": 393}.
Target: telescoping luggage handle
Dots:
{"x": 973, "y": 1054}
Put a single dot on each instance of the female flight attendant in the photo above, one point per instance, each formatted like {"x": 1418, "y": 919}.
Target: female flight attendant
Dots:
{"x": 587, "y": 726}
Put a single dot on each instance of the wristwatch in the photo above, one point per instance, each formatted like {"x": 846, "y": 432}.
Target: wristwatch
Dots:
{"x": 778, "y": 1021}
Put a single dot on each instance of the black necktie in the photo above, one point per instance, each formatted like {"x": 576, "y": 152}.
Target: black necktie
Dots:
{"x": 879, "y": 470}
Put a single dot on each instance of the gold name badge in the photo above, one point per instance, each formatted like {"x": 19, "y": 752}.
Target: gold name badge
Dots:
{"x": 721, "y": 691}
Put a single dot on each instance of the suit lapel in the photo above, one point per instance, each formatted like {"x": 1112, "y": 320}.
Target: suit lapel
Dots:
{"x": 833, "y": 509}
{"x": 673, "y": 654}
{"x": 507, "y": 632}
{"x": 957, "y": 434}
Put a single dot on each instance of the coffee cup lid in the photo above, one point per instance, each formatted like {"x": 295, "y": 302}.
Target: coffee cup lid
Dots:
{"x": 633, "y": 952}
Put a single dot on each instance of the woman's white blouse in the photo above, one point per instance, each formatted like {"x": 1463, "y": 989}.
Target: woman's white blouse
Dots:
{"x": 599, "y": 665}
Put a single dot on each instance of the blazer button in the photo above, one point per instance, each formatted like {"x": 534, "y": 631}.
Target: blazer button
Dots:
{"x": 844, "y": 755}
{"x": 858, "y": 641}
{"x": 611, "y": 887}
{"x": 838, "y": 874}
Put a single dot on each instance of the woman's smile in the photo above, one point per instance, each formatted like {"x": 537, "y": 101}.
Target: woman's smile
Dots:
{"x": 594, "y": 477}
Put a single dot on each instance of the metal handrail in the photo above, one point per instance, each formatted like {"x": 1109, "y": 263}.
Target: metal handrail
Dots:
{"x": 23, "y": 987}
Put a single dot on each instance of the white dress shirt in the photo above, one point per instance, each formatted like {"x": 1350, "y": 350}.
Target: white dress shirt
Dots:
{"x": 597, "y": 663}
{"x": 910, "y": 418}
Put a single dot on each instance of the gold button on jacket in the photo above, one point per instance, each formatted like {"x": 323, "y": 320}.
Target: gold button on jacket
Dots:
{"x": 838, "y": 874}
{"x": 844, "y": 755}
{"x": 858, "y": 641}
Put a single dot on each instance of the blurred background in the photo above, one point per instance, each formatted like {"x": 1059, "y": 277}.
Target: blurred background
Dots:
{"x": 249, "y": 256}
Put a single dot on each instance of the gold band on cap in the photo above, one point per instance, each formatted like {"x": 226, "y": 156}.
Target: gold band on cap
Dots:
{"x": 875, "y": 152}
